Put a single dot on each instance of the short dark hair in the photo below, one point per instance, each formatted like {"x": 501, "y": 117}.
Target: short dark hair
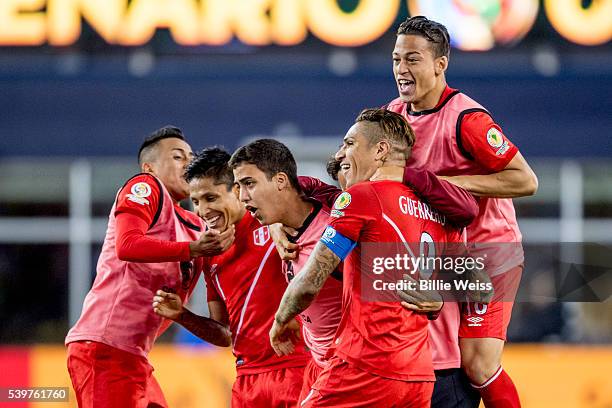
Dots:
{"x": 211, "y": 162}
{"x": 391, "y": 126}
{"x": 432, "y": 31}
{"x": 270, "y": 156}
{"x": 333, "y": 168}
{"x": 163, "y": 133}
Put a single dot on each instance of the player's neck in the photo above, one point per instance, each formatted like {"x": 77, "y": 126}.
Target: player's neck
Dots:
{"x": 296, "y": 212}
{"x": 239, "y": 215}
{"x": 431, "y": 99}
{"x": 393, "y": 172}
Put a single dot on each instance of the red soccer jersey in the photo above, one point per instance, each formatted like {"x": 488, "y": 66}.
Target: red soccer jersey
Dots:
{"x": 249, "y": 279}
{"x": 117, "y": 310}
{"x": 459, "y": 137}
{"x": 320, "y": 320}
{"x": 381, "y": 337}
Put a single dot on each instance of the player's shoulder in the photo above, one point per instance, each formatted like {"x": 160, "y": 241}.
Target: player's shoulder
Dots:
{"x": 191, "y": 218}
{"x": 396, "y": 105}
{"x": 142, "y": 184}
{"x": 142, "y": 189}
{"x": 363, "y": 188}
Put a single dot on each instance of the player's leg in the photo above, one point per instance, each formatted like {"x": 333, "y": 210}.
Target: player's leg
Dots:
{"x": 341, "y": 384}
{"x": 482, "y": 337}
{"x": 106, "y": 376}
{"x": 283, "y": 387}
{"x": 272, "y": 389}
{"x": 453, "y": 390}
{"x": 155, "y": 395}
{"x": 481, "y": 360}
{"x": 241, "y": 396}
{"x": 311, "y": 372}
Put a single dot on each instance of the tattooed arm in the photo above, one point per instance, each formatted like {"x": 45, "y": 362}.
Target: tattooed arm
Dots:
{"x": 300, "y": 293}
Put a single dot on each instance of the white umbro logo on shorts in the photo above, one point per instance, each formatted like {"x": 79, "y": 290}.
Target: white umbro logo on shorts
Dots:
{"x": 475, "y": 321}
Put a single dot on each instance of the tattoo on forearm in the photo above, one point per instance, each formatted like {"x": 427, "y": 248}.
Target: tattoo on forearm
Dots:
{"x": 304, "y": 288}
{"x": 207, "y": 329}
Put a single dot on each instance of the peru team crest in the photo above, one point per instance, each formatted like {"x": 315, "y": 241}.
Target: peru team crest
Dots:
{"x": 261, "y": 236}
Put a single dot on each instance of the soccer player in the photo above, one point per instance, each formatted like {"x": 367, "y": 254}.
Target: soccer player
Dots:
{"x": 458, "y": 139}
{"x": 150, "y": 242}
{"x": 256, "y": 166}
{"x": 244, "y": 287}
{"x": 380, "y": 356}
{"x": 267, "y": 174}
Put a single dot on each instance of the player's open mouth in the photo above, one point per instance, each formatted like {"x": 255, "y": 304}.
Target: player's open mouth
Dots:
{"x": 214, "y": 221}
{"x": 405, "y": 85}
{"x": 344, "y": 167}
{"x": 252, "y": 210}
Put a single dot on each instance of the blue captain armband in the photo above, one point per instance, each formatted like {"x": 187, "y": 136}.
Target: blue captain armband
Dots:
{"x": 337, "y": 243}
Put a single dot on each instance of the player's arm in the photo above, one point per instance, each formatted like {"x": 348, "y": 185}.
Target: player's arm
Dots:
{"x": 137, "y": 211}
{"x": 313, "y": 187}
{"x": 517, "y": 179}
{"x": 280, "y": 235}
{"x": 300, "y": 293}
{"x": 482, "y": 140}
{"x": 456, "y": 203}
{"x": 209, "y": 329}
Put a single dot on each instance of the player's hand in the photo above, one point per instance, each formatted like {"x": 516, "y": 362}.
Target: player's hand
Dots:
{"x": 479, "y": 276}
{"x": 168, "y": 305}
{"x": 212, "y": 242}
{"x": 282, "y": 337}
{"x": 280, "y": 235}
{"x": 420, "y": 301}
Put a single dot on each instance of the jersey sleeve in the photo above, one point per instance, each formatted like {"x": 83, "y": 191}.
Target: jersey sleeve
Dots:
{"x": 133, "y": 245}
{"x": 482, "y": 139}
{"x": 315, "y": 188}
{"x": 211, "y": 290}
{"x": 354, "y": 210}
{"x": 457, "y": 204}
{"x": 140, "y": 196}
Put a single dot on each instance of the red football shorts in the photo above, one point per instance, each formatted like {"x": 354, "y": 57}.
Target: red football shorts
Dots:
{"x": 311, "y": 373}
{"x": 109, "y": 377}
{"x": 341, "y": 385}
{"x": 491, "y": 320}
{"x": 271, "y": 389}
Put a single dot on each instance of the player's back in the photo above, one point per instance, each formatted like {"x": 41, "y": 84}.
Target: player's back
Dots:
{"x": 380, "y": 336}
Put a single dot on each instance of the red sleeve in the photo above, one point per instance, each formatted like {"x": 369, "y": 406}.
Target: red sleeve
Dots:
{"x": 318, "y": 190}
{"x": 482, "y": 138}
{"x": 211, "y": 290}
{"x": 354, "y": 209}
{"x": 459, "y": 206}
{"x": 133, "y": 245}
{"x": 140, "y": 196}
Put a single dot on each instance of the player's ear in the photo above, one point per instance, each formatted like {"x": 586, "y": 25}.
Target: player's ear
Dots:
{"x": 382, "y": 149}
{"x": 236, "y": 190}
{"x": 441, "y": 63}
{"x": 147, "y": 167}
{"x": 282, "y": 181}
